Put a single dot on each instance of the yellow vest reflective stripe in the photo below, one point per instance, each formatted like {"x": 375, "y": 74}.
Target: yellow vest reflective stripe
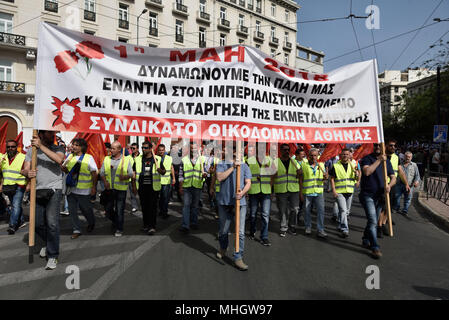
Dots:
{"x": 345, "y": 180}
{"x": 312, "y": 183}
{"x": 11, "y": 173}
{"x": 217, "y": 183}
{"x": 165, "y": 179}
{"x": 260, "y": 177}
{"x": 85, "y": 176}
{"x": 192, "y": 174}
{"x": 156, "y": 176}
{"x": 395, "y": 164}
{"x": 286, "y": 181}
{"x": 118, "y": 185}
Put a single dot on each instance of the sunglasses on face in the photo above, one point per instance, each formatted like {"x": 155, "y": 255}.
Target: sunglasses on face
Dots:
{"x": 144, "y": 148}
{"x": 11, "y": 147}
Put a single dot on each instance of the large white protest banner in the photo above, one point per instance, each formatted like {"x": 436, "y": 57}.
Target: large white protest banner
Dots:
{"x": 90, "y": 84}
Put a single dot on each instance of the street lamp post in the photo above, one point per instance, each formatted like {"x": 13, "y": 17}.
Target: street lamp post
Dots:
{"x": 143, "y": 11}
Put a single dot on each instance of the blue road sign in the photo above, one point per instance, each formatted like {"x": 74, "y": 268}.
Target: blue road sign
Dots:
{"x": 440, "y": 133}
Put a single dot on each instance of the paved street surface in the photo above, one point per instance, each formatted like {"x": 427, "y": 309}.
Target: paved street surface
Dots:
{"x": 170, "y": 265}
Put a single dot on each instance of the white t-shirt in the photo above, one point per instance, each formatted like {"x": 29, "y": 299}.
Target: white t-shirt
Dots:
{"x": 436, "y": 158}
{"x": 92, "y": 166}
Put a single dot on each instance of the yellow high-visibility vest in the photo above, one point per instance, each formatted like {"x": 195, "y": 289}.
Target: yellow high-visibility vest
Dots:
{"x": 192, "y": 174}
{"x": 11, "y": 173}
{"x": 165, "y": 179}
{"x": 286, "y": 181}
{"x": 345, "y": 180}
{"x": 312, "y": 183}
{"x": 85, "y": 176}
{"x": 156, "y": 176}
{"x": 118, "y": 185}
{"x": 260, "y": 177}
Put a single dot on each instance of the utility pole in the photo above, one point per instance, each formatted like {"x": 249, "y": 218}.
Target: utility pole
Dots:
{"x": 438, "y": 95}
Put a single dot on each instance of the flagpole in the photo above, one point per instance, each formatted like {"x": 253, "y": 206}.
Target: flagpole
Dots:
{"x": 237, "y": 202}
{"x": 387, "y": 194}
{"x": 31, "y": 228}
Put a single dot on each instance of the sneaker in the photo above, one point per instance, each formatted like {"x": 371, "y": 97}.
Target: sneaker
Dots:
{"x": 283, "y": 233}
{"x": 379, "y": 232}
{"x": 385, "y": 230}
{"x": 221, "y": 253}
{"x": 75, "y": 235}
{"x": 345, "y": 234}
{"x": 251, "y": 236}
{"x": 90, "y": 228}
{"x": 134, "y": 210}
{"x": 145, "y": 229}
{"x": 292, "y": 231}
{"x": 239, "y": 264}
{"x": 308, "y": 231}
{"x": 118, "y": 234}
{"x": 65, "y": 212}
{"x": 265, "y": 242}
{"x": 404, "y": 213}
{"x": 321, "y": 234}
{"x": 152, "y": 231}
{"x": 43, "y": 252}
{"x": 51, "y": 264}
{"x": 11, "y": 231}
{"x": 376, "y": 254}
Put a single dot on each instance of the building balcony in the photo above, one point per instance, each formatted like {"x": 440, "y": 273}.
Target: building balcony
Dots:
{"x": 155, "y": 3}
{"x": 124, "y": 24}
{"x": 258, "y": 10}
{"x": 287, "y": 45}
{"x": 153, "y": 32}
{"x": 224, "y": 24}
{"x": 250, "y": 6}
{"x": 242, "y": 3}
{"x": 17, "y": 42}
{"x": 12, "y": 87}
{"x": 89, "y": 15}
{"x": 179, "y": 38}
{"x": 180, "y": 9}
{"x": 202, "y": 44}
{"x": 51, "y": 6}
{"x": 258, "y": 36}
{"x": 242, "y": 30}
{"x": 234, "y": 1}
{"x": 203, "y": 17}
{"x": 274, "y": 41}
{"x": 12, "y": 39}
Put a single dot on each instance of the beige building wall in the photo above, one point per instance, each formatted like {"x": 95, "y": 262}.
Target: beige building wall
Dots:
{"x": 27, "y": 14}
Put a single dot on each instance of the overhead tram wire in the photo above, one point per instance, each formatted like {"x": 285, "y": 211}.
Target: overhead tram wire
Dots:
{"x": 414, "y": 36}
{"x": 372, "y": 37}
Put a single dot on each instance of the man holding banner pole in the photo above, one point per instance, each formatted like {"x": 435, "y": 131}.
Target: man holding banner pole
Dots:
{"x": 373, "y": 188}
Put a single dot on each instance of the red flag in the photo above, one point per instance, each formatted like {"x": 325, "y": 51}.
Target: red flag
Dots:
{"x": 3, "y": 132}
{"x": 19, "y": 142}
{"x": 364, "y": 150}
{"x": 122, "y": 140}
{"x": 331, "y": 150}
{"x": 293, "y": 148}
{"x": 107, "y": 138}
{"x": 306, "y": 148}
{"x": 96, "y": 147}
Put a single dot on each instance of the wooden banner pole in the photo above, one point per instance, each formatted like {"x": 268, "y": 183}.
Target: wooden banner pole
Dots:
{"x": 31, "y": 228}
{"x": 237, "y": 202}
{"x": 387, "y": 195}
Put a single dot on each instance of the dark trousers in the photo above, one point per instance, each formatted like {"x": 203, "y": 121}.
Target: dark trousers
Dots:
{"x": 164, "y": 199}
{"x": 47, "y": 223}
{"x": 148, "y": 201}
{"x": 115, "y": 209}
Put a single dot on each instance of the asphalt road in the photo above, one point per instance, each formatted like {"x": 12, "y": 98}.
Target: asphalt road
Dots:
{"x": 170, "y": 265}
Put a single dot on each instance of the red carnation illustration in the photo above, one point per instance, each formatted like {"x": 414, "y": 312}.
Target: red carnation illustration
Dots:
{"x": 85, "y": 50}
{"x": 90, "y": 50}
{"x": 66, "y": 60}
{"x": 67, "y": 112}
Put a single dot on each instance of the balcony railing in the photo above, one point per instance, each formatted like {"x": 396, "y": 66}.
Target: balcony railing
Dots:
{"x": 274, "y": 40}
{"x": 10, "y": 38}
{"x": 258, "y": 10}
{"x": 242, "y": 3}
{"x": 250, "y": 6}
{"x": 258, "y": 35}
{"x": 89, "y": 15}
{"x": 51, "y": 6}
{"x": 179, "y": 38}
{"x": 204, "y": 15}
{"x": 181, "y": 7}
{"x": 287, "y": 45}
{"x": 153, "y": 32}
{"x": 234, "y": 1}
{"x": 7, "y": 86}
{"x": 224, "y": 22}
{"x": 202, "y": 44}
{"x": 242, "y": 29}
{"x": 155, "y": 3}
{"x": 124, "y": 24}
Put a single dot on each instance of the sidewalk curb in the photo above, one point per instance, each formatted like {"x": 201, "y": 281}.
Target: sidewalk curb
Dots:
{"x": 433, "y": 216}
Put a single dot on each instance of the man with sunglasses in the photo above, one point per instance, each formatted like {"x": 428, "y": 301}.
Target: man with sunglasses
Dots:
{"x": 286, "y": 188}
{"x": 13, "y": 183}
{"x": 135, "y": 153}
{"x": 372, "y": 195}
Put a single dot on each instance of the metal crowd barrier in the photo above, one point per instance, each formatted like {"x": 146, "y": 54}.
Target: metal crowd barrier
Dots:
{"x": 436, "y": 186}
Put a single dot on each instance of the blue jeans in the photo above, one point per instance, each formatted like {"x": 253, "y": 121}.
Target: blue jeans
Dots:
{"x": 400, "y": 190}
{"x": 372, "y": 204}
{"x": 318, "y": 202}
{"x": 115, "y": 209}
{"x": 264, "y": 200}
{"x": 191, "y": 206}
{"x": 344, "y": 202}
{"x": 164, "y": 195}
{"x": 83, "y": 202}
{"x": 16, "y": 218}
{"x": 47, "y": 223}
{"x": 227, "y": 214}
